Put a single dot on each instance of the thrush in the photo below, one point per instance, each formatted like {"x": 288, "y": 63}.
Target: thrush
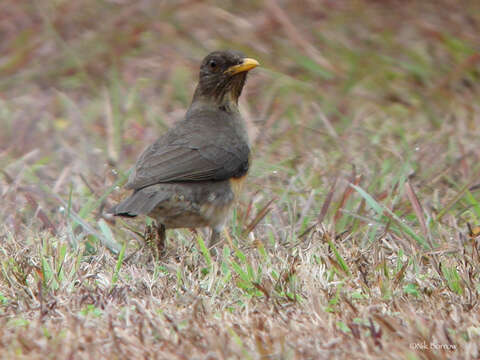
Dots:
{"x": 192, "y": 175}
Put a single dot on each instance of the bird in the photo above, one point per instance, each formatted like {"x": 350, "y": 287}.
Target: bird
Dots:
{"x": 191, "y": 176}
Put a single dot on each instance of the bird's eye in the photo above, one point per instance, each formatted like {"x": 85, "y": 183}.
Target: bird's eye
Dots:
{"x": 212, "y": 64}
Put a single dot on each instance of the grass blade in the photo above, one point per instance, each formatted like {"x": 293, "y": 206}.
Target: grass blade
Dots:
{"x": 119, "y": 263}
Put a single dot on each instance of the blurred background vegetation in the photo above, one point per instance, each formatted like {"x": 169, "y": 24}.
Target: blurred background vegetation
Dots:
{"x": 342, "y": 81}
{"x": 384, "y": 95}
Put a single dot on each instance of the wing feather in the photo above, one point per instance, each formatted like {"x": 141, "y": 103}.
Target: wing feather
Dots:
{"x": 203, "y": 148}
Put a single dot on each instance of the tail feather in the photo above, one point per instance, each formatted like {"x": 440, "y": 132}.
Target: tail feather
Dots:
{"x": 142, "y": 201}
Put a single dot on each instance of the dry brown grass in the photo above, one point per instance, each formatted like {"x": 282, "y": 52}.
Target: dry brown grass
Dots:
{"x": 355, "y": 238}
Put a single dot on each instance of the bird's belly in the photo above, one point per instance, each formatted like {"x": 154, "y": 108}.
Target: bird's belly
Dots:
{"x": 196, "y": 204}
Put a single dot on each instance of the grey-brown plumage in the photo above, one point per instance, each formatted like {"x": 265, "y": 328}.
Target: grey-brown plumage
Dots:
{"x": 190, "y": 177}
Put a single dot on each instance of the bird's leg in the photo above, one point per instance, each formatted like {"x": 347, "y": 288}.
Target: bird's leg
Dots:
{"x": 161, "y": 237}
{"x": 214, "y": 239}
{"x": 148, "y": 234}
{"x": 155, "y": 239}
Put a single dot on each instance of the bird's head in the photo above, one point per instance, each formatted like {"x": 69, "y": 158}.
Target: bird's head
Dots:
{"x": 222, "y": 76}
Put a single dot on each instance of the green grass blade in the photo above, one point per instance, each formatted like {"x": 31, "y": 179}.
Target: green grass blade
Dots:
{"x": 119, "y": 263}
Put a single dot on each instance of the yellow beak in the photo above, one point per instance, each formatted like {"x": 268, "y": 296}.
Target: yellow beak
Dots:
{"x": 247, "y": 64}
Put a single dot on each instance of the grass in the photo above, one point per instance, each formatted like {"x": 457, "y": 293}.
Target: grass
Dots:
{"x": 356, "y": 235}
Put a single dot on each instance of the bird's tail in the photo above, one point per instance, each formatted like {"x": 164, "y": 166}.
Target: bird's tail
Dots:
{"x": 142, "y": 201}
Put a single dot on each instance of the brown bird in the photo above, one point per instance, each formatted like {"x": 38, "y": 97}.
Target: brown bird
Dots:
{"x": 191, "y": 176}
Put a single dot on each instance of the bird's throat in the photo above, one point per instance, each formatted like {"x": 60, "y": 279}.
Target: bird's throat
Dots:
{"x": 228, "y": 102}
{"x": 223, "y": 93}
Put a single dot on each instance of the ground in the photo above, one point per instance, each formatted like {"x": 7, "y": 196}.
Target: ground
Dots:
{"x": 357, "y": 232}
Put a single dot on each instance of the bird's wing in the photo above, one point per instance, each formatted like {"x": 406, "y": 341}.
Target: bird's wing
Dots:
{"x": 198, "y": 149}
